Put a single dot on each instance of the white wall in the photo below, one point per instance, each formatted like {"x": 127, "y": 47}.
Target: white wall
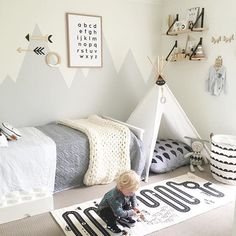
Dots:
{"x": 131, "y": 32}
{"x": 40, "y": 94}
{"x": 187, "y": 79}
{"x": 126, "y": 25}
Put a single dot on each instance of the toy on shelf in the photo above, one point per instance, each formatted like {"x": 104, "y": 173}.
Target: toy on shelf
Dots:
{"x": 196, "y": 54}
{"x": 183, "y": 26}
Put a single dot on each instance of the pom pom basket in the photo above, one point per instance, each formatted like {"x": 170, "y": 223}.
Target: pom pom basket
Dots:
{"x": 223, "y": 158}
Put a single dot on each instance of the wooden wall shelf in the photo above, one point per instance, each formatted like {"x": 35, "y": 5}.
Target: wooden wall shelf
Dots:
{"x": 191, "y": 57}
{"x": 187, "y": 59}
{"x": 196, "y": 53}
{"x": 188, "y": 31}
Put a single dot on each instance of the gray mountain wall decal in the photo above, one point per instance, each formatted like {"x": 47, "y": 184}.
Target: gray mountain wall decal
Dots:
{"x": 40, "y": 94}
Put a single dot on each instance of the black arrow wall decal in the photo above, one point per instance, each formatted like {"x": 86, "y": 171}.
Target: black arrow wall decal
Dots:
{"x": 46, "y": 38}
{"x": 39, "y": 50}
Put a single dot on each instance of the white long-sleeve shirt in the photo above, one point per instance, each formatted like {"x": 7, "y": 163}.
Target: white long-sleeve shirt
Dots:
{"x": 217, "y": 80}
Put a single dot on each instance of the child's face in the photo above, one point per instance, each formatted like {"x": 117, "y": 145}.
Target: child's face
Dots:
{"x": 127, "y": 192}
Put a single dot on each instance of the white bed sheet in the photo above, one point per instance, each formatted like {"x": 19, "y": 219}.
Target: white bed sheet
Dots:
{"x": 28, "y": 163}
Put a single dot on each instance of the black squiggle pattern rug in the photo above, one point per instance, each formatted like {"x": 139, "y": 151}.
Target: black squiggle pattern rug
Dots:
{"x": 163, "y": 204}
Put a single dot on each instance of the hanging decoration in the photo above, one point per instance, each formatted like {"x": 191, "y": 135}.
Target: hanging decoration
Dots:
{"x": 228, "y": 39}
{"x": 159, "y": 70}
{"x": 52, "y": 59}
{"x": 37, "y": 50}
{"x": 46, "y": 38}
{"x": 217, "y": 77}
{"x": 160, "y": 81}
{"x": 218, "y": 39}
{"x": 215, "y": 40}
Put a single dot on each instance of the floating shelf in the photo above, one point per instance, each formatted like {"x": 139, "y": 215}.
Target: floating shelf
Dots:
{"x": 197, "y": 58}
{"x": 196, "y": 53}
{"x": 187, "y": 59}
{"x": 188, "y": 31}
{"x": 193, "y": 28}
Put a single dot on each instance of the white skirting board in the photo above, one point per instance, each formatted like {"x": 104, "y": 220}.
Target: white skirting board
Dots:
{"x": 14, "y": 209}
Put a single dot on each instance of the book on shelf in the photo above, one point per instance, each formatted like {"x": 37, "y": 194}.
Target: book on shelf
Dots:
{"x": 192, "y": 15}
{"x": 190, "y": 45}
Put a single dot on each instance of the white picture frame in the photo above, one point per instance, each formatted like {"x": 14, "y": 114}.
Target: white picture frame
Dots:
{"x": 192, "y": 15}
{"x": 84, "y": 37}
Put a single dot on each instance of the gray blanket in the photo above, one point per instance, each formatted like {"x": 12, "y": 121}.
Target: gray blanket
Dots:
{"x": 73, "y": 155}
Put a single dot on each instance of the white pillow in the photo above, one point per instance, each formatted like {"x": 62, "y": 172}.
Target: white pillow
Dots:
{"x": 9, "y": 131}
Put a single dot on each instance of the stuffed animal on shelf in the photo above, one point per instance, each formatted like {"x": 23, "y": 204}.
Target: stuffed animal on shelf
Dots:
{"x": 196, "y": 157}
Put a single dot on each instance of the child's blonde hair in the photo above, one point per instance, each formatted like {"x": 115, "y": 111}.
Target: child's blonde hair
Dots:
{"x": 128, "y": 180}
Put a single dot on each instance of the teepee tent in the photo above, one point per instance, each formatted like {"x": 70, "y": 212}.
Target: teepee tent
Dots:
{"x": 160, "y": 115}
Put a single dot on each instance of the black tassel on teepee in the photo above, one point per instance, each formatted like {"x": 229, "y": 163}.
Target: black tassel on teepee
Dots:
{"x": 159, "y": 70}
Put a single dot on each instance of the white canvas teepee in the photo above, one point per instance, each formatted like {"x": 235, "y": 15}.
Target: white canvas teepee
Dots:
{"x": 160, "y": 115}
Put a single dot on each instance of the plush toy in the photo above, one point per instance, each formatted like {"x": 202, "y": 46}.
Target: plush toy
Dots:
{"x": 196, "y": 157}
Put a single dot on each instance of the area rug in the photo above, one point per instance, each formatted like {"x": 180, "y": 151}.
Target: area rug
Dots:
{"x": 163, "y": 204}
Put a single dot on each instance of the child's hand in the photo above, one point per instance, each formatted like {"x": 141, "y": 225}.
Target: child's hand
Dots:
{"x": 136, "y": 210}
{"x": 138, "y": 213}
{"x": 135, "y": 213}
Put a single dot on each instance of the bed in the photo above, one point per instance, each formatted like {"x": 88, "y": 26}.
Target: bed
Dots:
{"x": 65, "y": 171}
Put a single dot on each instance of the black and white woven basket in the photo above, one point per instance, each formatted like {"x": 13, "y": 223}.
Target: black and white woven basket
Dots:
{"x": 223, "y": 158}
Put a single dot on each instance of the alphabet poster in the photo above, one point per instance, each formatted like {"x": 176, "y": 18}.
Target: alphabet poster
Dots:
{"x": 84, "y": 40}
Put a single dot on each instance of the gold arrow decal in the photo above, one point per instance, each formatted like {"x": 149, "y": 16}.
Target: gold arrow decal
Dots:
{"x": 46, "y": 37}
{"x": 20, "y": 50}
{"x": 37, "y": 50}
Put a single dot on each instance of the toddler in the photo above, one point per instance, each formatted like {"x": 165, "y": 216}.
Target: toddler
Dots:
{"x": 120, "y": 203}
